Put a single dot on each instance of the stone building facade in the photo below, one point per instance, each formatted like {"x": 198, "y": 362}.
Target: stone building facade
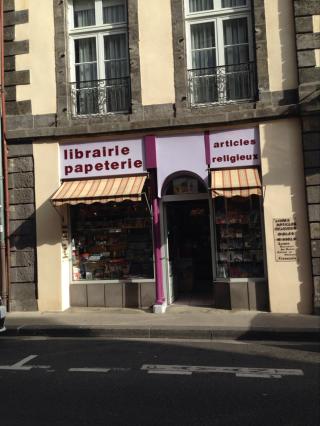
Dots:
{"x": 307, "y": 23}
{"x": 40, "y": 109}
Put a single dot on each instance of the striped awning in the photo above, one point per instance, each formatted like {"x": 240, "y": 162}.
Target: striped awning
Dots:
{"x": 99, "y": 190}
{"x": 235, "y": 182}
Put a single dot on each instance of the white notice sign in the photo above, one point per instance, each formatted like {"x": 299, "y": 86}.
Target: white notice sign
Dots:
{"x": 234, "y": 148}
{"x": 284, "y": 231}
{"x": 101, "y": 159}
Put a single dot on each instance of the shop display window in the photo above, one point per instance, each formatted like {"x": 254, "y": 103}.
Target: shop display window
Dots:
{"x": 239, "y": 243}
{"x": 111, "y": 241}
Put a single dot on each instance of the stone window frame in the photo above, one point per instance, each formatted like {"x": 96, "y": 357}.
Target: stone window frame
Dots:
{"x": 98, "y": 31}
{"x": 63, "y": 93}
{"x": 180, "y": 61}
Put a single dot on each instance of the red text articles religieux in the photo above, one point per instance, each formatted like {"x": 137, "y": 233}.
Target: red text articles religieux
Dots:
{"x": 79, "y": 154}
{"x": 237, "y": 157}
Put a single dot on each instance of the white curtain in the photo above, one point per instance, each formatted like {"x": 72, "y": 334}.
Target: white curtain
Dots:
{"x": 113, "y": 13}
{"x": 87, "y": 92}
{"x": 116, "y": 56}
{"x": 238, "y": 72}
{"x": 199, "y": 5}
{"x": 86, "y": 59}
{"x": 203, "y": 45}
{"x": 235, "y": 33}
{"x": 203, "y": 49}
{"x": 84, "y": 13}
{"x": 117, "y": 72}
{"x": 233, "y": 3}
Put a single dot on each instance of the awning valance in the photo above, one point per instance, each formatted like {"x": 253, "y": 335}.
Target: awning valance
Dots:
{"x": 99, "y": 190}
{"x": 235, "y": 182}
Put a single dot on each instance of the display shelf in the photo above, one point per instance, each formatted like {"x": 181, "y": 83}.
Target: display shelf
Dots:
{"x": 239, "y": 249}
{"x": 113, "y": 248}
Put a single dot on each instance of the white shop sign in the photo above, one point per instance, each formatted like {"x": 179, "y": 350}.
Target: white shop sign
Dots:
{"x": 234, "y": 148}
{"x": 102, "y": 159}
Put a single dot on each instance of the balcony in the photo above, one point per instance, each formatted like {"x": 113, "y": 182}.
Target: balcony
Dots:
{"x": 222, "y": 85}
{"x": 101, "y": 97}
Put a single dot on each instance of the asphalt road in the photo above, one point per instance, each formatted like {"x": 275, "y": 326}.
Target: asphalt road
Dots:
{"x": 95, "y": 382}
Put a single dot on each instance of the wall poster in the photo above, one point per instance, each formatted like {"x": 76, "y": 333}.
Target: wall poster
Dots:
{"x": 284, "y": 233}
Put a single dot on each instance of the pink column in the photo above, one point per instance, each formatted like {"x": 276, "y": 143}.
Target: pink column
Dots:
{"x": 151, "y": 164}
{"x": 157, "y": 250}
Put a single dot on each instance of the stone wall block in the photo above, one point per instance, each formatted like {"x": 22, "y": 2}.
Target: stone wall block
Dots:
{"x": 22, "y": 274}
{"x": 314, "y": 211}
{"x": 304, "y": 24}
{"x": 22, "y": 227}
{"x": 313, "y": 194}
{"x": 16, "y": 17}
{"x": 311, "y": 141}
{"x": 21, "y": 196}
{"x": 316, "y": 266}
{"x": 315, "y": 248}
{"x": 315, "y": 231}
{"x": 22, "y": 211}
{"x": 23, "y": 164}
{"x": 312, "y": 176}
{"x": 312, "y": 158}
{"x": 25, "y": 305}
{"x": 9, "y": 33}
{"x": 18, "y": 108}
{"x": 14, "y": 78}
{"x": 16, "y": 48}
{"x": 308, "y": 7}
{"x": 309, "y": 75}
{"x": 306, "y": 58}
{"x": 11, "y": 93}
{"x": 22, "y": 242}
{"x": 8, "y": 5}
{"x": 22, "y": 258}
{"x": 9, "y": 63}
{"x": 23, "y": 291}
{"x": 21, "y": 180}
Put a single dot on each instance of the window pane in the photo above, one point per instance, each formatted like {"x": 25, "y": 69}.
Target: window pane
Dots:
{"x": 116, "y": 56}
{"x": 199, "y": 5}
{"x": 203, "y": 45}
{"x": 114, "y": 12}
{"x": 235, "y": 32}
{"x": 202, "y": 36}
{"x": 240, "y": 251}
{"x": 233, "y": 3}
{"x": 85, "y": 50}
{"x": 84, "y": 13}
{"x": 111, "y": 241}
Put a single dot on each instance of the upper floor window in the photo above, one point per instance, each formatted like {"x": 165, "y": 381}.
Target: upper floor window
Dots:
{"x": 99, "y": 56}
{"x": 219, "y": 51}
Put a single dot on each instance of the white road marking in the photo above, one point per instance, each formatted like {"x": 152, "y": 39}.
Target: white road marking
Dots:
{"x": 20, "y": 365}
{"x": 238, "y": 371}
{"x": 90, "y": 370}
{"x": 262, "y": 376}
{"x": 181, "y": 373}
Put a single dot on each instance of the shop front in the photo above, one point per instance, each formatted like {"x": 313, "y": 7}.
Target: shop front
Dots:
{"x": 205, "y": 219}
{"x": 105, "y": 195}
{"x": 212, "y": 228}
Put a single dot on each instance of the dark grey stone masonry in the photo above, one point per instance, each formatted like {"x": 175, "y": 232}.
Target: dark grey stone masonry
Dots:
{"x": 11, "y": 49}
{"x": 309, "y": 99}
{"x": 23, "y": 273}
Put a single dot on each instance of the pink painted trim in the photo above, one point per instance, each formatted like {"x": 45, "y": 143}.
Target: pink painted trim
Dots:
{"x": 207, "y": 146}
{"x": 150, "y": 152}
{"x": 157, "y": 252}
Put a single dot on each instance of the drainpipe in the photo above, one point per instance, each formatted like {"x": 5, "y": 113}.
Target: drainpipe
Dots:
{"x": 4, "y": 192}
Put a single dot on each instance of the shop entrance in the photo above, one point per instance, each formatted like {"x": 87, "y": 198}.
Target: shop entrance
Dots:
{"x": 189, "y": 252}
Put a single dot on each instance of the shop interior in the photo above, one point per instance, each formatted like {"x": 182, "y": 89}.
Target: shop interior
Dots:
{"x": 189, "y": 247}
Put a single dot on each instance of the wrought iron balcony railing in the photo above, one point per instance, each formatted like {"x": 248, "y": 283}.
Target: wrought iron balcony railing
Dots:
{"x": 99, "y": 97}
{"x": 223, "y": 84}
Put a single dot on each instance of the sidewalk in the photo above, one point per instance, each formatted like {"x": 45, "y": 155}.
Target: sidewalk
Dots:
{"x": 178, "y": 322}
